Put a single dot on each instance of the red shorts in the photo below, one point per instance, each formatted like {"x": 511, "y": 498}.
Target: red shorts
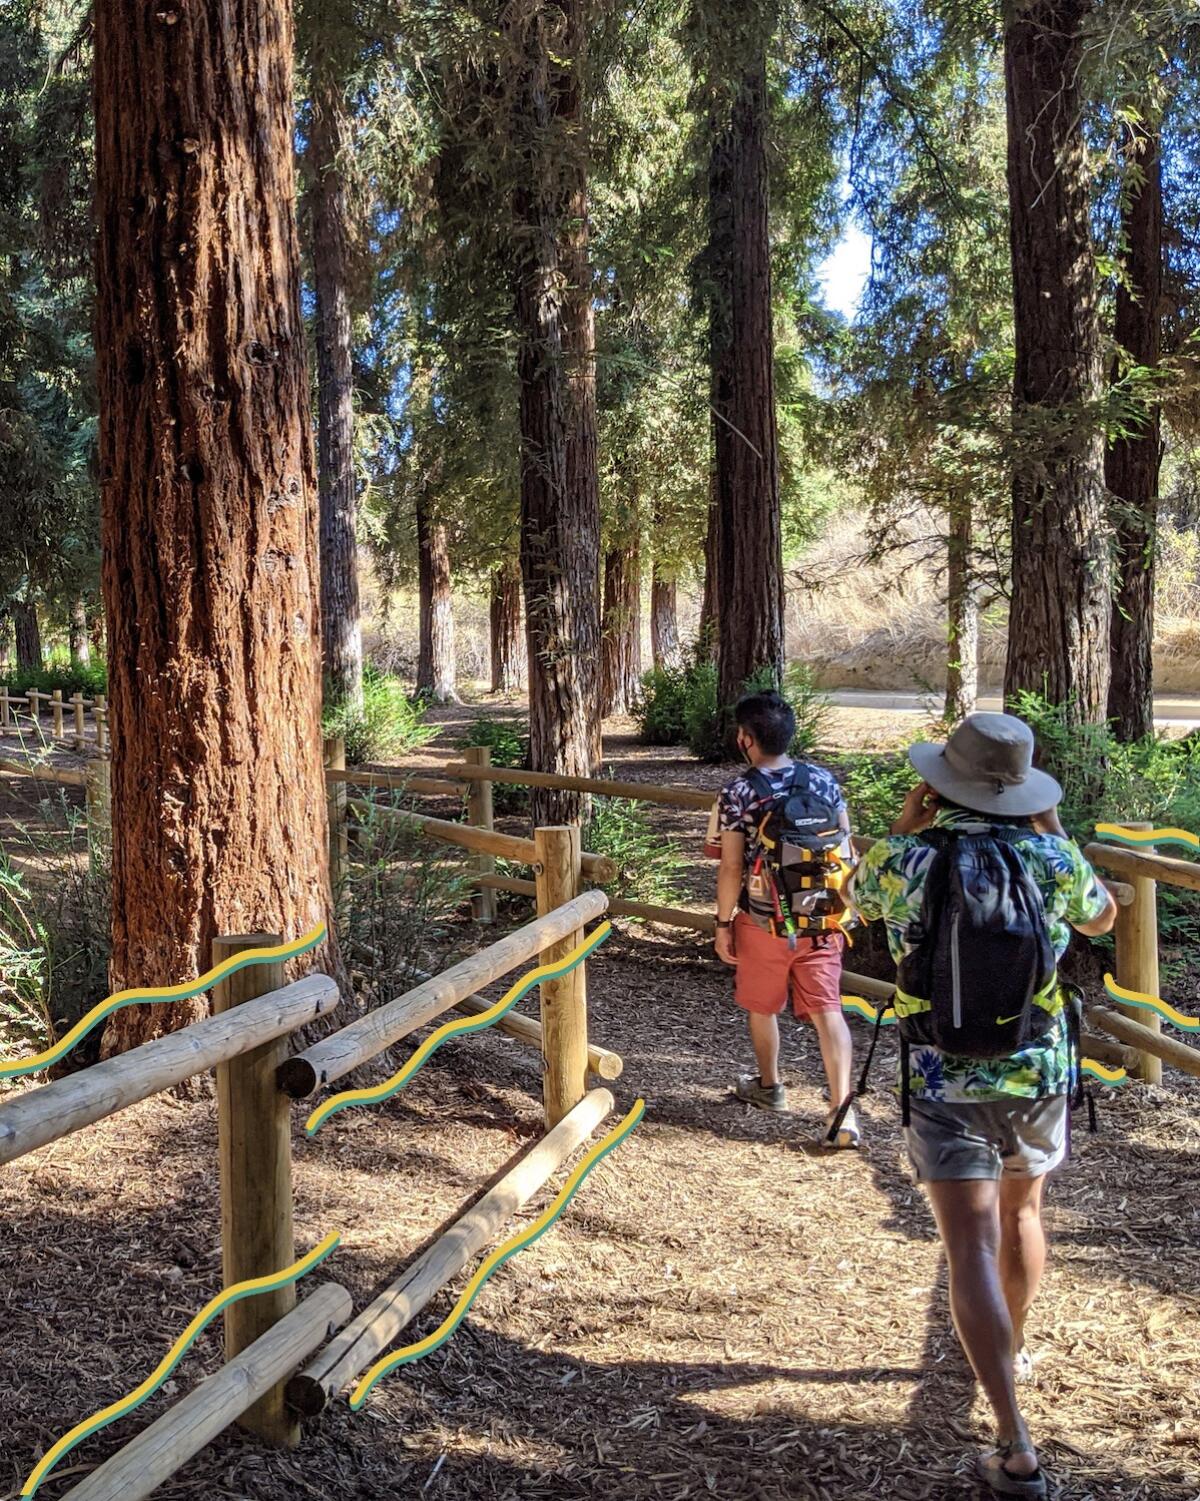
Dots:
{"x": 768, "y": 970}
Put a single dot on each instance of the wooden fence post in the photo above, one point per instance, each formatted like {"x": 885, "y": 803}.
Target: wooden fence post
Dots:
{"x": 1136, "y": 938}
{"x": 336, "y": 794}
{"x": 479, "y": 812}
{"x": 5, "y": 712}
{"x": 564, "y": 1001}
{"x": 80, "y": 720}
{"x": 100, "y": 714}
{"x": 254, "y": 1134}
{"x": 56, "y": 706}
{"x": 97, "y": 801}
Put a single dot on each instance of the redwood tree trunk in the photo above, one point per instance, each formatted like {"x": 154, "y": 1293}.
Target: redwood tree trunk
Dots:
{"x": 962, "y": 616}
{"x": 209, "y": 516}
{"x": 508, "y": 645}
{"x": 749, "y": 572}
{"x": 436, "y": 657}
{"x": 1059, "y": 622}
{"x": 77, "y": 634}
{"x": 96, "y": 632}
{"x": 28, "y": 636}
{"x": 706, "y": 639}
{"x": 1132, "y": 462}
{"x": 341, "y": 630}
{"x": 621, "y": 632}
{"x": 664, "y": 621}
{"x": 560, "y": 507}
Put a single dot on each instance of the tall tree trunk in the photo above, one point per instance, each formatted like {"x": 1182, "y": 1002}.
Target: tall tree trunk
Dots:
{"x": 209, "y": 514}
{"x": 621, "y": 630}
{"x": 436, "y": 668}
{"x": 962, "y": 615}
{"x": 96, "y": 631}
{"x": 706, "y": 635}
{"x": 508, "y": 646}
{"x": 341, "y": 630}
{"x": 560, "y": 507}
{"x": 664, "y": 621}
{"x": 1132, "y": 462}
{"x": 1059, "y": 621}
{"x": 77, "y": 634}
{"x": 749, "y": 572}
{"x": 28, "y": 636}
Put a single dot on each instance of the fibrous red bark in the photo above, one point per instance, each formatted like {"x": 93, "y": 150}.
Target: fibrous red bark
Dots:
{"x": 664, "y": 620}
{"x": 209, "y": 502}
{"x": 507, "y": 638}
{"x": 436, "y": 670}
{"x": 77, "y": 634}
{"x": 28, "y": 640}
{"x": 621, "y": 630}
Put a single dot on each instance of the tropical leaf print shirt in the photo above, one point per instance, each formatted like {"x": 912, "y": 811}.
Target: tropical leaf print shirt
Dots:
{"x": 889, "y": 884}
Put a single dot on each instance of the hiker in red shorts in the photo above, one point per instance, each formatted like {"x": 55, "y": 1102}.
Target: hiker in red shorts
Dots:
{"x": 784, "y": 848}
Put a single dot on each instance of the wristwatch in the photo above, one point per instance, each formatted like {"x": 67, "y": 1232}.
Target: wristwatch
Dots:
{"x": 724, "y": 923}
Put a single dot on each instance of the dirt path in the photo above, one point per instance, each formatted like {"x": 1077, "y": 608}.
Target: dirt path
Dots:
{"x": 719, "y": 1314}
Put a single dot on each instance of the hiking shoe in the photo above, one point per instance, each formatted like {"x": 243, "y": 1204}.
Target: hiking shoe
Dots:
{"x": 847, "y": 1138}
{"x": 752, "y": 1091}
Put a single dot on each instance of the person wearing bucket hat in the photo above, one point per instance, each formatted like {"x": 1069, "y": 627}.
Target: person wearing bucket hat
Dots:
{"x": 978, "y": 888}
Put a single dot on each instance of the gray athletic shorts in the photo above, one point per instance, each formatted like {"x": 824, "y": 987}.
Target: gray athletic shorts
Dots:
{"x": 987, "y": 1139}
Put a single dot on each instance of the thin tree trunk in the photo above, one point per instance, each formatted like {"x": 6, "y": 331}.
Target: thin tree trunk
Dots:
{"x": 621, "y": 632}
{"x": 209, "y": 505}
{"x": 28, "y": 636}
{"x": 341, "y": 630}
{"x": 77, "y": 634}
{"x": 749, "y": 572}
{"x": 436, "y": 667}
{"x": 1058, "y": 637}
{"x": 507, "y": 641}
{"x": 560, "y": 510}
{"x": 706, "y": 639}
{"x": 962, "y": 615}
{"x": 1132, "y": 462}
{"x": 664, "y": 621}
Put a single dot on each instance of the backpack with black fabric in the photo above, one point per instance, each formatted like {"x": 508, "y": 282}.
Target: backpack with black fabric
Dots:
{"x": 983, "y": 957}
{"x": 796, "y": 870}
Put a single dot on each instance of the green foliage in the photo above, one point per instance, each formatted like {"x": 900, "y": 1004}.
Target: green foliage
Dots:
{"x": 400, "y": 894}
{"x": 508, "y": 741}
{"x": 24, "y": 1019}
{"x": 648, "y": 868}
{"x": 389, "y": 725}
{"x": 875, "y": 788}
{"x": 68, "y": 677}
{"x": 663, "y": 705}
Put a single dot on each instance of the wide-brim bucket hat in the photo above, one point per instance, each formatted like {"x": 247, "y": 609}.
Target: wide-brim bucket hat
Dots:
{"x": 987, "y": 766}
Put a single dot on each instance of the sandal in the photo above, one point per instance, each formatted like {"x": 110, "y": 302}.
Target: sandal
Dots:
{"x": 992, "y": 1469}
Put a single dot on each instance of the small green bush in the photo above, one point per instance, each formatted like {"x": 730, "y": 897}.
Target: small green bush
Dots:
{"x": 389, "y": 725}
{"x": 704, "y": 725}
{"x": 648, "y": 868}
{"x": 875, "y": 787}
{"x": 70, "y": 677}
{"x": 508, "y": 741}
{"x": 661, "y": 713}
{"x": 705, "y": 721}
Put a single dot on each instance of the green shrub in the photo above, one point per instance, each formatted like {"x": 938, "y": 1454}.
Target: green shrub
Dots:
{"x": 661, "y": 713}
{"x": 389, "y": 725}
{"x": 648, "y": 868}
{"x": 508, "y": 741}
{"x": 704, "y": 725}
{"x": 706, "y": 721}
{"x": 875, "y": 787}
{"x": 69, "y": 677}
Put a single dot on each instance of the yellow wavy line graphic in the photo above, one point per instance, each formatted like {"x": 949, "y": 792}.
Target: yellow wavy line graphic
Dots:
{"x": 175, "y": 1354}
{"x": 497, "y": 1258}
{"x": 140, "y": 995}
{"x": 1149, "y": 836}
{"x": 417, "y": 1060}
{"x": 1151, "y": 1003}
{"x": 863, "y": 1008}
{"x": 1102, "y": 1072}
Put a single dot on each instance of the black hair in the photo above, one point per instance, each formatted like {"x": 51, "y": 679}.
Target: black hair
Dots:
{"x": 1019, "y": 821}
{"x": 769, "y": 718}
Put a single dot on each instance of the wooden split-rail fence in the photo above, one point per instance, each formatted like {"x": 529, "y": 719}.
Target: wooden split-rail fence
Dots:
{"x": 285, "y": 1358}
{"x": 1131, "y": 1037}
{"x": 49, "y": 716}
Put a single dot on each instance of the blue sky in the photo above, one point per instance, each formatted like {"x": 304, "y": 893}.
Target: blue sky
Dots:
{"x": 843, "y": 273}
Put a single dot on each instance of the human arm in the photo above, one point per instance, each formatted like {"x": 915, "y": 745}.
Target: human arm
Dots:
{"x": 730, "y": 874}
{"x": 918, "y": 811}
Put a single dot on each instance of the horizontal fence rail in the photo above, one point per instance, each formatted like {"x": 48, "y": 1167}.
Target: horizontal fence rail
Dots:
{"x": 369, "y": 1035}
{"x": 55, "y": 1110}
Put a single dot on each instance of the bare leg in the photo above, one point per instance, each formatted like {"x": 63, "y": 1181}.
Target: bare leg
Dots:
{"x": 1022, "y": 1247}
{"x": 968, "y": 1217}
{"x": 837, "y": 1050}
{"x": 764, "y": 1034}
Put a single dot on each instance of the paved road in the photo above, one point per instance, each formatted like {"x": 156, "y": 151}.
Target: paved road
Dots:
{"x": 1169, "y": 708}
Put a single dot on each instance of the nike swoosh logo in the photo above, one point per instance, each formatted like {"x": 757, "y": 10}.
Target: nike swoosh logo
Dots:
{"x": 1003, "y": 1021}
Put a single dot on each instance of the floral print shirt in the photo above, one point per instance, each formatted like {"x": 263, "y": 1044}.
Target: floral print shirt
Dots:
{"x": 889, "y": 884}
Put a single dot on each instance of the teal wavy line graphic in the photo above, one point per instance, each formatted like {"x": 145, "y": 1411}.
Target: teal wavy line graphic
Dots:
{"x": 1152, "y": 1003}
{"x": 175, "y": 1354}
{"x": 1138, "y": 837}
{"x": 459, "y": 1028}
{"x": 498, "y": 1257}
{"x": 143, "y": 994}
